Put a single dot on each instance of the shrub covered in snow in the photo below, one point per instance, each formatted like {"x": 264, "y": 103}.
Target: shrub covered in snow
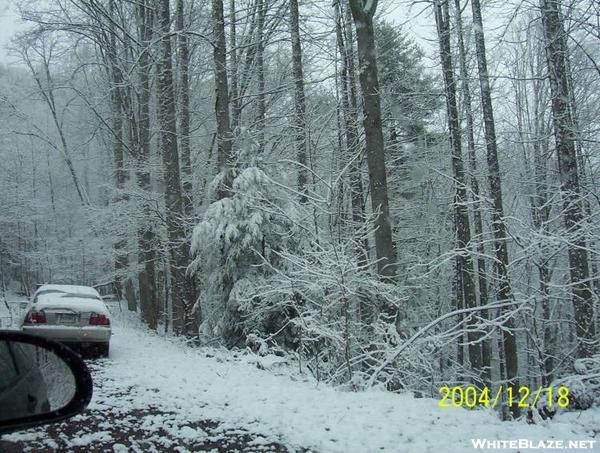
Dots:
{"x": 583, "y": 384}
{"x": 270, "y": 283}
{"x": 323, "y": 306}
{"x": 237, "y": 241}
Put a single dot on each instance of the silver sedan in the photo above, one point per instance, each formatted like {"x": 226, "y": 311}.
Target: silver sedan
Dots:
{"x": 70, "y": 314}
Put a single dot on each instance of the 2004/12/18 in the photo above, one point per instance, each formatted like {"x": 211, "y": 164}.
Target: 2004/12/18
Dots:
{"x": 471, "y": 396}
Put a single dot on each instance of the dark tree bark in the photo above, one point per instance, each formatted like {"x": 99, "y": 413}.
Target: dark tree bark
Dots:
{"x": 184, "y": 112}
{"x": 384, "y": 244}
{"x": 349, "y": 110}
{"x": 261, "y": 108}
{"x": 486, "y": 351}
{"x": 498, "y": 226}
{"x": 145, "y": 233}
{"x": 224, "y": 135}
{"x": 182, "y": 303}
{"x": 573, "y": 211}
{"x": 464, "y": 263}
{"x": 353, "y": 99}
{"x": 116, "y": 83}
{"x": 299, "y": 101}
{"x": 235, "y": 101}
{"x": 584, "y": 182}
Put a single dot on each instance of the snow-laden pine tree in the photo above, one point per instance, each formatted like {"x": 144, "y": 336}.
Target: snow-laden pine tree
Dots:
{"x": 236, "y": 244}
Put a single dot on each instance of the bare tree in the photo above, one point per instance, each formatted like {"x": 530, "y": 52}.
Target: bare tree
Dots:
{"x": 146, "y": 235}
{"x": 183, "y": 317}
{"x": 184, "y": 109}
{"x": 464, "y": 263}
{"x": 498, "y": 227}
{"x": 486, "y": 351}
{"x": 235, "y": 101}
{"x": 349, "y": 110}
{"x": 224, "y": 135}
{"x": 363, "y": 12}
{"x": 299, "y": 101}
{"x": 573, "y": 213}
{"x": 45, "y": 48}
{"x": 115, "y": 77}
{"x": 261, "y": 107}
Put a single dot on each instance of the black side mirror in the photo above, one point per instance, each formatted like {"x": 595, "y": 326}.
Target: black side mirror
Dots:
{"x": 41, "y": 381}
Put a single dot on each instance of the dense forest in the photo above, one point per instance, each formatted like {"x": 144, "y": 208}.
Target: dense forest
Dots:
{"x": 309, "y": 178}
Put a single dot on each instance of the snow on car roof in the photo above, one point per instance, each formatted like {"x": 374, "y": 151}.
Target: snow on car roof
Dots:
{"x": 71, "y": 289}
{"x": 71, "y": 302}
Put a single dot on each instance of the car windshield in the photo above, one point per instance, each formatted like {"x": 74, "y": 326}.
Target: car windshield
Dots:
{"x": 308, "y": 225}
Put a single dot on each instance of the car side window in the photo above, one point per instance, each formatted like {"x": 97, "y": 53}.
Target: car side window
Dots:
{"x": 8, "y": 368}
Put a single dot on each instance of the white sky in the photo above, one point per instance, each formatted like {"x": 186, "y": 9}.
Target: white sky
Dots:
{"x": 9, "y": 25}
{"x": 415, "y": 17}
{"x": 419, "y": 25}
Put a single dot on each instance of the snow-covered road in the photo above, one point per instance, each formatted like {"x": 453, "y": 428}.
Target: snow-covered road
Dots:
{"x": 156, "y": 394}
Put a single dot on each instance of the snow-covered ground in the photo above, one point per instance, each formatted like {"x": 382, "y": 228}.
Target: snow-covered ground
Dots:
{"x": 178, "y": 395}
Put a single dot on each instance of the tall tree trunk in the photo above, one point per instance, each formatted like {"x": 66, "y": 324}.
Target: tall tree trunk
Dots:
{"x": 299, "y": 101}
{"x": 145, "y": 233}
{"x": 353, "y": 99}
{"x": 183, "y": 322}
{"x": 384, "y": 244}
{"x": 261, "y": 109}
{"x": 120, "y": 247}
{"x": 585, "y": 181}
{"x": 498, "y": 226}
{"x": 573, "y": 213}
{"x": 541, "y": 209}
{"x": 235, "y": 101}
{"x": 121, "y": 175}
{"x": 224, "y": 135}
{"x": 486, "y": 351}
{"x": 353, "y": 151}
{"x": 464, "y": 263}
{"x": 184, "y": 112}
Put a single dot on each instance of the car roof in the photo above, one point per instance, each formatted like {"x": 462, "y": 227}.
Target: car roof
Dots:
{"x": 70, "y": 289}
{"x": 83, "y": 304}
